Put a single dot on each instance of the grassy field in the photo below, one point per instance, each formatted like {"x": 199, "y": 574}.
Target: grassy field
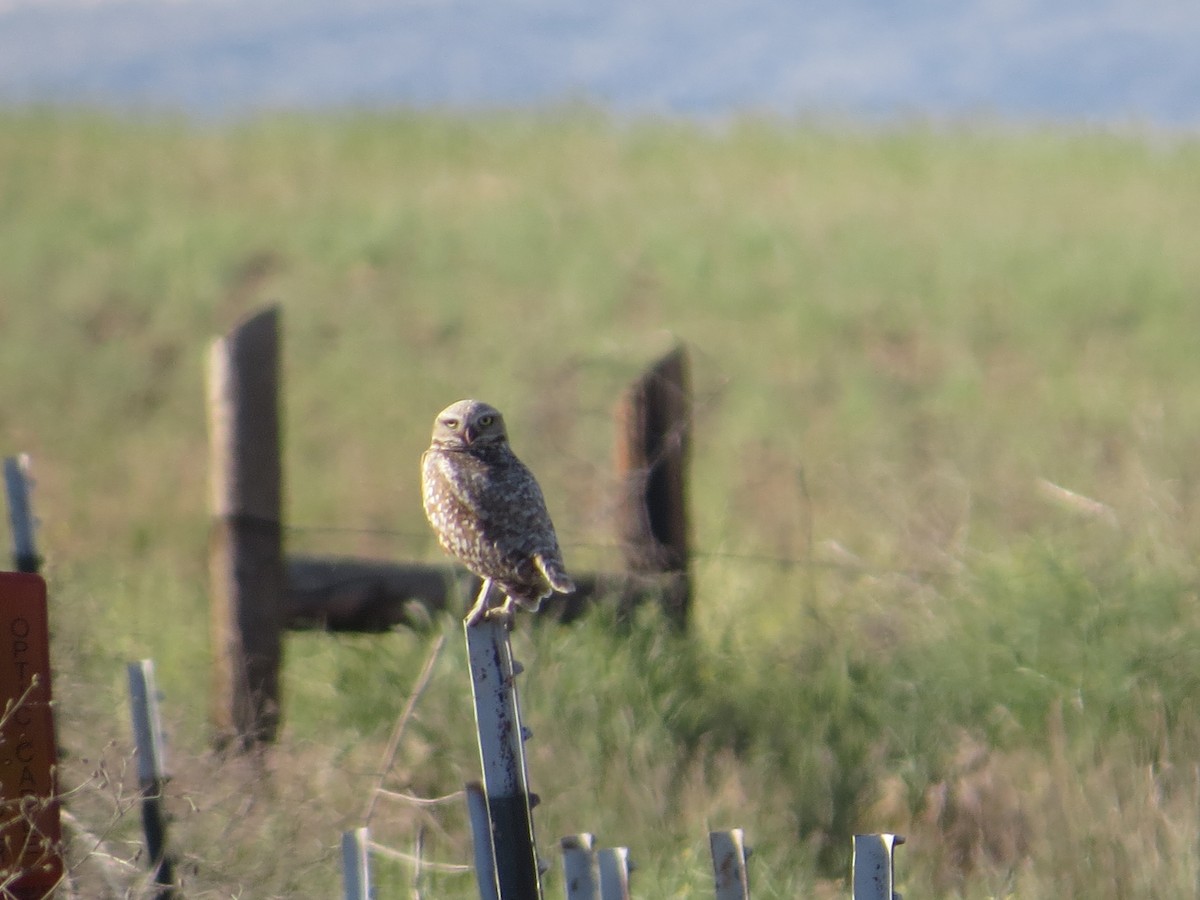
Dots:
{"x": 902, "y": 342}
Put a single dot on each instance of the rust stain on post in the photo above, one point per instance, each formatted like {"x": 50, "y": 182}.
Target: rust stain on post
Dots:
{"x": 31, "y": 862}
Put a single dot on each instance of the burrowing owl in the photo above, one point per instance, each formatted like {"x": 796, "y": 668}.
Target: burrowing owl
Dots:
{"x": 487, "y": 509}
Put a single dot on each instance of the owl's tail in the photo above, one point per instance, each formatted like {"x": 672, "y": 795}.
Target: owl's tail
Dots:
{"x": 553, "y": 571}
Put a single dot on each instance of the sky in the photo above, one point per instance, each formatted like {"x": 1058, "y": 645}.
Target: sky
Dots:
{"x": 1092, "y": 61}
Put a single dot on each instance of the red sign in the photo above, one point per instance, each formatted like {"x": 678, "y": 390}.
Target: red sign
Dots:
{"x": 30, "y": 835}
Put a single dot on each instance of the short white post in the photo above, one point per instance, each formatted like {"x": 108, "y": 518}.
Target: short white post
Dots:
{"x": 874, "y": 871}
{"x": 614, "y": 866}
{"x": 20, "y": 515}
{"x": 579, "y": 867}
{"x": 152, "y": 770}
{"x": 356, "y": 864}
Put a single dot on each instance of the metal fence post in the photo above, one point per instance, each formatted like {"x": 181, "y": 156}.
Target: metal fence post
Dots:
{"x": 580, "y": 875}
{"x": 614, "y": 866}
{"x": 729, "y": 855}
{"x": 502, "y": 753}
{"x": 20, "y": 515}
{"x": 31, "y": 850}
{"x": 874, "y": 872}
{"x": 152, "y": 771}
{"x": 356, "y": 864}
{"x": 481, "y": 840}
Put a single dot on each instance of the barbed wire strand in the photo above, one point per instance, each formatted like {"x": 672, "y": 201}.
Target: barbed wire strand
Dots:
{"x": 393, "y": 853}
{"x": 414, "y": 800}
{"x": 758, "y": 558}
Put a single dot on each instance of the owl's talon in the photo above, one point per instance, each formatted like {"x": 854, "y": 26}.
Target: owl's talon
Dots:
{"x": 504, "y": 613}
{"x": 480, "y": 610}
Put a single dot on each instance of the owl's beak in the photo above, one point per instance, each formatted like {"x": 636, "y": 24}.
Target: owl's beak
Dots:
{"x": 469, "y": 434}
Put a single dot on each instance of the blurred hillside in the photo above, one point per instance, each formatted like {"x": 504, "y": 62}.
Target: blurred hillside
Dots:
{"x": 1105, "y": 61}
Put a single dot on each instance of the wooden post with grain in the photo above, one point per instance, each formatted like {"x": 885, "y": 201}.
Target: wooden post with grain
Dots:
{"x": 246, "y": 566}
{"x": 653, "y": 436}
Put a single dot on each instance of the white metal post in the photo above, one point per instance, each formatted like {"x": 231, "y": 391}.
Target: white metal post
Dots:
{"x": 152, "y": 769}
{"x": 481, "y": 839}
{"x": 579, "y": 867}
{"x": 614, "y": 866}
{"x": 729, "y": 855}
{"x": 874, "y": 871}
{"x": 20, "y": 515}
{"x": 356, "y": 864}
{"x": 502, "y": 754}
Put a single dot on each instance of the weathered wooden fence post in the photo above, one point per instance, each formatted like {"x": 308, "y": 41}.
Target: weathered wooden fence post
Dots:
{"x": 729, "y": 855}
{"x": 246, "y": 551}
{"x": 874, "y": 876}
{"x": 502, "y": 753}
{"x": 152, "y": 771}
{"x": 653, "y": 437}
{"x": 20, "y": 514}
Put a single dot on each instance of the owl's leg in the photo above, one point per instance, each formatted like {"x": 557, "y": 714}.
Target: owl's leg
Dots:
{"x": 480, "y": 609}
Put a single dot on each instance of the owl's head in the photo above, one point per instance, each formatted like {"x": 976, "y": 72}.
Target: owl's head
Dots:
{"x": 468, "y": 423}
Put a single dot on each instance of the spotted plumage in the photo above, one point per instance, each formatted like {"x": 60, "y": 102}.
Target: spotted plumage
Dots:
{"x": 487, "y": 509}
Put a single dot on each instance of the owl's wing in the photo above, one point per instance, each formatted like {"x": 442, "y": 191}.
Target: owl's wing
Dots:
{"x": 525, "y": 516}
{"x": 518, "y": 491}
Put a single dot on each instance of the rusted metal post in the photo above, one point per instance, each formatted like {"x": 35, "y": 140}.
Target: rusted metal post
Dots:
{"x": 152, "y": 771}
{"x": 580, "y": 874}
{"x": 615, "y": 867}
{"x": 502, "y": 753}
{"x": 246, "y": 551}
{"x": 874, "y": 870}
{"x": 20, "y": 514}
{"x": 31, "y": 850}
{"x": 729, "y": 855}
{"x": 356, "y": 864}
{"x": 653, "y": 438}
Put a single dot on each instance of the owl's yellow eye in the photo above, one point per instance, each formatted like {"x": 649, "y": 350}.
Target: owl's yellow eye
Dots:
{"x": 485, "y": 421}
{"x": 450, "y": 423}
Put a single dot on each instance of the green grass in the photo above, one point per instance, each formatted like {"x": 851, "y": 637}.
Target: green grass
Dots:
{"x": 896, "y": 335}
